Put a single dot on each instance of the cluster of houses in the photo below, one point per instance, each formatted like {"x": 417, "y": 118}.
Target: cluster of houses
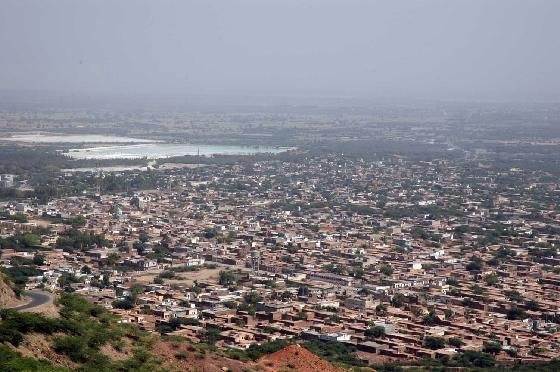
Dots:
{"x": 331, "y": 249}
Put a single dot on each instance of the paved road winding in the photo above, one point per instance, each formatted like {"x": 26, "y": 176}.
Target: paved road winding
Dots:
{"x": 38, "y": 298}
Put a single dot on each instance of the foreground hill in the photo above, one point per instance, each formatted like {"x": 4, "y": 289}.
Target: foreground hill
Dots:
{"x": 86, "y": 337}
{"x": 8, "y": 297}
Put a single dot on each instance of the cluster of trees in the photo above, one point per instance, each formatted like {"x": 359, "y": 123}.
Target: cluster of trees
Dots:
{"x": 335, "y": 352}
{"x": 130, "y": 300}
{"x": 20, "y": 271}
{"x": 13, "y": 361}
{"x": 475, "y": 264}
{"x": 373, "y": 332}
{"x": 386, "y": 269}
{"x": 77, "y": 221}
{"x": 227, "y": 278}
{"x": 28, "y": 160}
{"x": 472, "y": 360}
{"x": 250, "y": 301}
{"x": 335, "y": 269}
{"x": 255, "y": 352}
{"x": 420, "y": 233}
{"x": 42, "y": 167}
{"x": 538, "y": 253}
{"x": 174, "y": 323}
{"x": 80, "y": 333}
{"x": 140, "y": 244}
{"x": 20, "y": 241}
{"x": 74, "y": 239}
{"x": 18, "y": 217}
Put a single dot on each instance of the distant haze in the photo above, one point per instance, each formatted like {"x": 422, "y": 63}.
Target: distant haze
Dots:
{"x": 482, "y": 50}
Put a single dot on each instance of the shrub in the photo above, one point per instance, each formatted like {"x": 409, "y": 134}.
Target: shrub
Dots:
{"x": 455, "y": 342}
{"x": 12, "y": 361}
{"x": 127, "y": 303}
{"x": 335, "y": 352}
{"x": 74, "y": 347}
{"x": 73, "y": 303}
{"x": 516, "y": 313}
{"x": 432, "y": 342}
{"x": 492, "y": 347}
{"x": 256, "y": 351}
{"x": 475, "y": 359}
{"x": 8, "y": 334}
{"x": 375, "y": 332}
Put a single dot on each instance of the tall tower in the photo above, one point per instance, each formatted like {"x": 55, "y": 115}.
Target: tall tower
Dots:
{"x": 255, "y": 260}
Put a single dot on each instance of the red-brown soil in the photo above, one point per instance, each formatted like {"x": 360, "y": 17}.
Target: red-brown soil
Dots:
{"x": 296, "y": 358}
{"x": 181, "y": 356}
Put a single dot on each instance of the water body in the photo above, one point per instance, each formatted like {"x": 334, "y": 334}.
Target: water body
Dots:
{"x": 165, "y": 150}
{"x": 74, "y": 138}
{"x": 116, "y": 168}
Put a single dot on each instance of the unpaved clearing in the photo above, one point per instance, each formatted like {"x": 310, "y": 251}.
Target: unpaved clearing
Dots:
{"x": 187, "y": 278}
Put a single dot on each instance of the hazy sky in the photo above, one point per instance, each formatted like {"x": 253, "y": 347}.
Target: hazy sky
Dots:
{"x": 448, "y": 49}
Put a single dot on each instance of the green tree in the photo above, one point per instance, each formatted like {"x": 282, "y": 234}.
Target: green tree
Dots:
{"x": 374, "y": 332}
{"x": 398, "y": 300}
{"x": 227, "y": 278}
{"x": 386, "y": 270}
{"x": 252, "y": 298}
{"x": 452, "y": 282}
{"x": 516, "y": 313}
{"x": 143, "y": 237}
{"x": 38, "y": 259}
{"x": 136, "y": 290}
{"x": 139, "y": 247}
{"x": 211, "y": 335}
{"x": 286, "y": 295}
{"x": 112, "y": 259}
{"x": 475, "y": 264}
{"x": 434, "y": 343}
{"x": 478, "y": 290}
{"x": 532, "y": 305}
{"x": 126, "y": 303}
{"x": 455, "y": 342}
{"x": 78, "y": 221}
{"x": 381, "y": 309}
{"x": 513, "y": 295}
{"x": 475, "y": 359}
{"x": 431, "y": 318}
{"x": 491, "y": 279}
{"x": 491, "y": 347}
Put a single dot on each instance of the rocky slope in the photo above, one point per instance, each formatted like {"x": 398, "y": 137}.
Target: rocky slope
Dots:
{"x": 7, "y": 295}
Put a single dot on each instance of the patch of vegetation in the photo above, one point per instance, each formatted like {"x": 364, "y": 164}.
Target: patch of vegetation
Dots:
{"x": 20, "y": 241}
{"x": 82, "y": 330}
{"x": 374, "y": 332}
{"x": 12, "y": 361}
{"x": 257, "y": 351}
{"x": 434, "y": 343}
{"x": 468, "y": 361}
{"x": 335, "y": 352}
{"x": 227, "y": 278}
{"x": 74, "y": 239}
{"x": 19, "y": 275}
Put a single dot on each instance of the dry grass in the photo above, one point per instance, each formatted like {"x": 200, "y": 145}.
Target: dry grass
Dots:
{"x": 38, "y": 346}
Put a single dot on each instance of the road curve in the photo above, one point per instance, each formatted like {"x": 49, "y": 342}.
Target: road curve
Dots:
{"x": 38, "y": 298}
